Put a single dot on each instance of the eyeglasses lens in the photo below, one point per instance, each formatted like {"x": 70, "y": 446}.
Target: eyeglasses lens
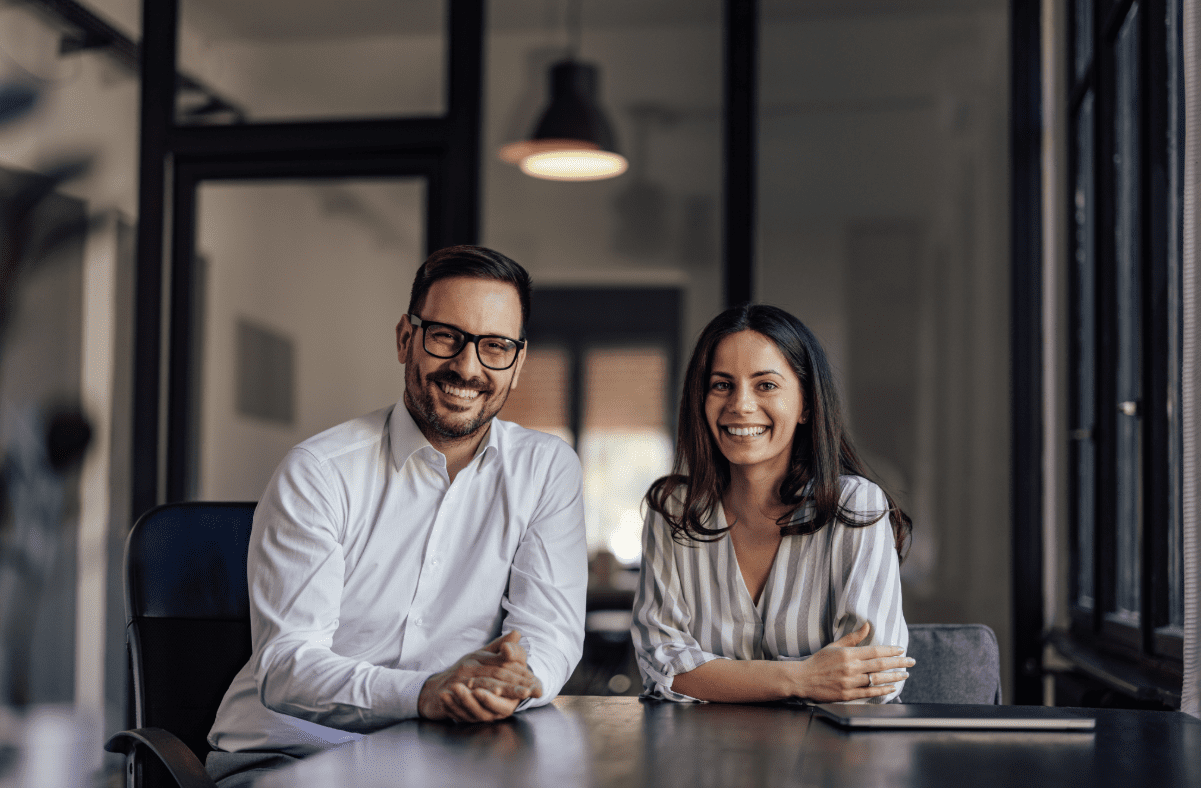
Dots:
{"x": 493, "y": 352}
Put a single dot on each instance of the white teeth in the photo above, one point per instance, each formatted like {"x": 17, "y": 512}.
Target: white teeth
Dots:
{"x": 746, "y": 431}
{"x": 464, "y": 393}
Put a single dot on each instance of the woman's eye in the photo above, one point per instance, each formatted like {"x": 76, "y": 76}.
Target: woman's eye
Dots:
{"x": 767, "y": 385}
{"x": 720, "y": 385}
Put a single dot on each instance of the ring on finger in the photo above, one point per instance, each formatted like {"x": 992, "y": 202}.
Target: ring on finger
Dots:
{"x": 871, "y": 679}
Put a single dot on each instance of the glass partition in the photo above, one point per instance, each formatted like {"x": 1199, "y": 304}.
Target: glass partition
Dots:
{"x": 302, "y": 285}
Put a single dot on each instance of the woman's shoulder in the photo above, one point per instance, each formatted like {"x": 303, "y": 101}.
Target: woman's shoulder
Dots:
{"x": 861, "y": 495}
{"x": 669, "y": 493}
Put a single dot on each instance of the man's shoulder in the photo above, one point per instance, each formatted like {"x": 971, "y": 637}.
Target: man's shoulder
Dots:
{"x": 514, "y": 437}
{"x": 362, "y": 433}
{"x": 525, "y": 446}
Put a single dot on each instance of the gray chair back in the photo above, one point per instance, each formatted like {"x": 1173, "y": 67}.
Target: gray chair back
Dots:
{"x": 956, "y": 663}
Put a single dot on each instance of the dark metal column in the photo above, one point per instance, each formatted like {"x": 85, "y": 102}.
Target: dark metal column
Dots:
{"x": 159, "y": 25}
{"x": 1026, "y": 348}
{"x": 460, "y": 221}
{"x": 740, "y": 107}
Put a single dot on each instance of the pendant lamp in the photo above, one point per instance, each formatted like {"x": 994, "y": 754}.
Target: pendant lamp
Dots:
{"x": 573, "y": 140}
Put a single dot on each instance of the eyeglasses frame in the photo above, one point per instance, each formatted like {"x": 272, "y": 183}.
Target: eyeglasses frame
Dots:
{"x": 471, "y": 339}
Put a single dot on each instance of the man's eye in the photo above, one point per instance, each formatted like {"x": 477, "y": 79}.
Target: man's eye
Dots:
{"x": 496, "y": 346}
{"x": 442, "y": 335}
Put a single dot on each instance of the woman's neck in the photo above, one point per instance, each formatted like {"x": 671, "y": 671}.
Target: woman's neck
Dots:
{"x": 753, "y": 497}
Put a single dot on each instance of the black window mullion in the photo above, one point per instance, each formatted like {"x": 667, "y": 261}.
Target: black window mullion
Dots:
{"x": 1105, "y": 333}
{"x": 1156, "y": 347}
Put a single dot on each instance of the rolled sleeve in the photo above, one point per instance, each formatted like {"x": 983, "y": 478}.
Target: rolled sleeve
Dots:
{"x": 866, "y": 575}
{"x": 663, "y": 644}
{"x": 548, "y": 580}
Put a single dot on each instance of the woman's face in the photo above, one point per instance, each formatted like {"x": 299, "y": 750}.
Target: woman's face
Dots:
{"x": 754, "y": 402}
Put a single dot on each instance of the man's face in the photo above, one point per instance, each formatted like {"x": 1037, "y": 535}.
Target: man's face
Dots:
{"x": 452, "y": 399}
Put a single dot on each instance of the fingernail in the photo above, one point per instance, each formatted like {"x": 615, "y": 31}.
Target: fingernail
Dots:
{"x": 911, "y": 662}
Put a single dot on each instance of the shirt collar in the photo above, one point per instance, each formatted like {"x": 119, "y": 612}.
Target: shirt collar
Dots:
{"x": 407, "y": 439}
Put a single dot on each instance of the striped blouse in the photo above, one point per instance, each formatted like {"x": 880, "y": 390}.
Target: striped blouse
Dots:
{"x": 692, "y": 605}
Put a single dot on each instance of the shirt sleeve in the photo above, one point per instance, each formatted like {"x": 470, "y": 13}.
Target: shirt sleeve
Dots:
{"x": 295, "y": 570}
{"x": 548, "y": 580}
{"x": 865, "y": 575}
{"x": 663, "y": 641}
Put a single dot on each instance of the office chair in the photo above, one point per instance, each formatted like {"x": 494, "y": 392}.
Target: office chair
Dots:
{"x": 187, "y": 635}
{"x": 956, "y": 663}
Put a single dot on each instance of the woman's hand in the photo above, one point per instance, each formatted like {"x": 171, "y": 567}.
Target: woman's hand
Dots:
{"x": 845, "y": 671}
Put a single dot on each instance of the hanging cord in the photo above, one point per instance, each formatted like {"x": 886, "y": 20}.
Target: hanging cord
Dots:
{"x": 572, "y": 22}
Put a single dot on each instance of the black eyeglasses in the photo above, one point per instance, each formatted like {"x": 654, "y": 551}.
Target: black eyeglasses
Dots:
{"x": 442, "y": 340}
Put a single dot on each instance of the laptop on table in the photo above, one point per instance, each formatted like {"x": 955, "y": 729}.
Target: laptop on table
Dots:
{"x": 951, "y": 716}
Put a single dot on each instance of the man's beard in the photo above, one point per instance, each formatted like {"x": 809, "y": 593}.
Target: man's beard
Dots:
{"x": 420, "y": 401}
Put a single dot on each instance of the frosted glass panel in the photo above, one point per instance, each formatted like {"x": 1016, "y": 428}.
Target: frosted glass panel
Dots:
{"x": 323, "y": 268}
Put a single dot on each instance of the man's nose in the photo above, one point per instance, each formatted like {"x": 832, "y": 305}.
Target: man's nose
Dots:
{"x": 467, "y": 362}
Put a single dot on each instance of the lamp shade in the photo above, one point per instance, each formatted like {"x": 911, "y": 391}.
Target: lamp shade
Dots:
{"x": 573, "y": 140}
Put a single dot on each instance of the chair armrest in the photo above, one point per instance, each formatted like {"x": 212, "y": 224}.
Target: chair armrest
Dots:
{"x": 183, "y": 764}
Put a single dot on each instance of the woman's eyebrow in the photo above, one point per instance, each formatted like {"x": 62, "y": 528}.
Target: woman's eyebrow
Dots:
{"x": 715, "y": 373}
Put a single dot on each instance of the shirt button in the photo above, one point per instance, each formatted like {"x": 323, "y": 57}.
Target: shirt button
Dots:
{"x": 417, "y": 621}
{"x": 434, "y": 562}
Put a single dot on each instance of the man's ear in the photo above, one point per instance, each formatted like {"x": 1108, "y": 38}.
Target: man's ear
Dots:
{"x": 404, "y": 336}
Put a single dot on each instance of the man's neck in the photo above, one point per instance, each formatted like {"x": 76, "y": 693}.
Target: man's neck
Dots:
{"x": 458, "y": 451}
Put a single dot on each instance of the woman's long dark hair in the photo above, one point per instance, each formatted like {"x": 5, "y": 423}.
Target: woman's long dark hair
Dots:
{"x": 821, "y": 449}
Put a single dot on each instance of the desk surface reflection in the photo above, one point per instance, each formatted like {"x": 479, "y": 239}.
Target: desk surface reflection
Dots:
{"x": 597, "y": 741}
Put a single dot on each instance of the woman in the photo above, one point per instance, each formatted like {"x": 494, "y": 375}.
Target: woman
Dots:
{"x": 770, "y": 564}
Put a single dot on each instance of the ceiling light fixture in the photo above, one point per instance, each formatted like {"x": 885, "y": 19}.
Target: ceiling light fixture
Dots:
{"x": 573, "y": 140}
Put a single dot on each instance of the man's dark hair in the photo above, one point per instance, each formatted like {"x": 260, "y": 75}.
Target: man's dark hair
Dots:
{"x": 474, "y": 262}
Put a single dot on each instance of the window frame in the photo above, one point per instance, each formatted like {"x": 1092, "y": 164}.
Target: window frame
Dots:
{"x": 1141, "y": 658}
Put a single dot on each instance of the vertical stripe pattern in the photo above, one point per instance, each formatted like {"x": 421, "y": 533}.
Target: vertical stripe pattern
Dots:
{"x": 692, "y": 605}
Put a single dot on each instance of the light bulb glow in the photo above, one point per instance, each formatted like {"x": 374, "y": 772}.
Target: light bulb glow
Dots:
{"x": 574, "y": 165}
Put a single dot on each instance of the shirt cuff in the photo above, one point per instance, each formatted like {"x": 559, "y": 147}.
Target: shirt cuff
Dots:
{"x": 409, "y": 695}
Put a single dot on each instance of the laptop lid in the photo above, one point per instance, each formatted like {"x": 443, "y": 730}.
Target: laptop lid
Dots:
{"x": 945, "y": 715}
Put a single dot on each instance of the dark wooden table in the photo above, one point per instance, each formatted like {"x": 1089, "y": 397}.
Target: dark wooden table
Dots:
{"x": 595, "y": 741}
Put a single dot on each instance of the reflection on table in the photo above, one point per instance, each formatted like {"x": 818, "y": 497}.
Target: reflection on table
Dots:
{"x": 598, "y": 741}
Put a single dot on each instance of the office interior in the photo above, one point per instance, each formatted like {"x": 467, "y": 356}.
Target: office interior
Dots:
{"x": 917, "y": 172}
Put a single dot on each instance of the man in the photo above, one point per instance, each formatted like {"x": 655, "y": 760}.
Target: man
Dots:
{"x": 422, "y": 560}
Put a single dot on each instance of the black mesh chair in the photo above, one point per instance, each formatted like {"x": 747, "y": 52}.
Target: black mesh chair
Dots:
{"x": 187, "y": 635}
{"x": 956, "y": 663}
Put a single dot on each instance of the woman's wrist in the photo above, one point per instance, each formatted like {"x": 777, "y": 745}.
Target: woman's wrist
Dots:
{"x": 794, "y": 678}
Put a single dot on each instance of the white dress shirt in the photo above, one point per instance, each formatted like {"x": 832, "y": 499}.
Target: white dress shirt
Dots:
{"x": 369, "y": 571}
{"x": 693, "y": 606}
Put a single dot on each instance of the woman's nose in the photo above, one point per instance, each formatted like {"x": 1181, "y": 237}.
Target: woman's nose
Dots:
{"x": 742, "y": 401}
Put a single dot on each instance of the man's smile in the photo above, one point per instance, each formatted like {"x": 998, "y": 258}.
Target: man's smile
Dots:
{"x": 458, "y": 393}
